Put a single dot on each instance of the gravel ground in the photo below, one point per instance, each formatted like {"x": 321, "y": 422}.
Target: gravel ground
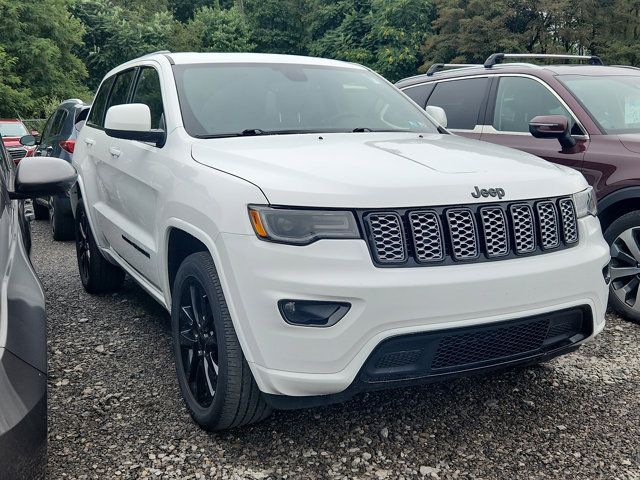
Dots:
{"x": 115, "y": 410}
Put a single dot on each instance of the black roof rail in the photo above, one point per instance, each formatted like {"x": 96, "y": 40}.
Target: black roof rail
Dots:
{"x": 437, "y": 67}
{"x": 498, "y": 57}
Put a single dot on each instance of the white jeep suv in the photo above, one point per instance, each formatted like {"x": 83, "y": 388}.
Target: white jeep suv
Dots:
{"x": 315, "y": 234}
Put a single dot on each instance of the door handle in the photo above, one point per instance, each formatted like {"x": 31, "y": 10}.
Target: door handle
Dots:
{"x": 115, "y": 152}
{"x": 89, "y": 141}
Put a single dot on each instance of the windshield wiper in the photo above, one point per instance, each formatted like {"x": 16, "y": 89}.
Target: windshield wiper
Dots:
{"x": 361, "y": 130}
{"x": 252, "y": 132}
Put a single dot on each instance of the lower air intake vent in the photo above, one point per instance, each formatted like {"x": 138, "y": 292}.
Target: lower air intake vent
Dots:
{"x": 481, "y": 346}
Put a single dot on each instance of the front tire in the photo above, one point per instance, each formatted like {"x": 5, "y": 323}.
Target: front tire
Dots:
{"x": 62, "y": 226}
{"x": 214, "y": 377}
{"x": 40, "y": 212}
{"x": 624, "y": 237}
{"x": 97, "y": 274}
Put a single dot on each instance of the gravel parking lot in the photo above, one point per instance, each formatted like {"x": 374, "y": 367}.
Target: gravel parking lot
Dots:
{"x": 115, "y": 410}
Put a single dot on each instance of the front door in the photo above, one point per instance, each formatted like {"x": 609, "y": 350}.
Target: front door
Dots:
{"x": 141, "y": 176}
{"x": 514, "y": 101}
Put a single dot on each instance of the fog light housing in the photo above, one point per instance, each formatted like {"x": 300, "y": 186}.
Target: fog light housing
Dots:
{"x": 312, "y": 313}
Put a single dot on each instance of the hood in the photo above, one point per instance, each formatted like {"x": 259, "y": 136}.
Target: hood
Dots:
{"x": 11, "y": 142}
{"x": 372, "y": 170}
{"x": 631, "y": 141}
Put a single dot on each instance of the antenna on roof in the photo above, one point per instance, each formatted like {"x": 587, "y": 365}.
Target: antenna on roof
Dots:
{"x": 496, "y": 58}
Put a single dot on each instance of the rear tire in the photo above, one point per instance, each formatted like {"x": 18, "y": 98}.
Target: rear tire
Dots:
{"x": 97, "y": 274}
{"x": 62, "y": 226}
{"x": 40, "y": 212}
{"x": 214, "y": 377}
{"x": 624, "y": 293}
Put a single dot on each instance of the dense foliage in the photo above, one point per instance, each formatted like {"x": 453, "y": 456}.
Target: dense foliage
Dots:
{"x": 55, "y": 49}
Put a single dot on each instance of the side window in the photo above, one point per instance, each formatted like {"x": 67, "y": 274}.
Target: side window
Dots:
{"x": 96, "y": 116}
{"x": 148, "y": 92}
{"x": 121, "y": 87}
{"x": 58, "y": 122}
{"x": 419, "y": 93}
{"x": 46, "y": 133}
{"x": 519, "y": 99}
{"x": 461, "y": 100}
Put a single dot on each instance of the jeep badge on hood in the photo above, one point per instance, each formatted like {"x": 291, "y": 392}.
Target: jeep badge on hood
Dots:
{"x": 491, "y": 192}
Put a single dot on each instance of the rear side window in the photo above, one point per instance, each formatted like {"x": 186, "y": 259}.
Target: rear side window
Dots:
{"x": 461, "y": 100}
{"x": 148, "y": 92}
{"x": 96, "y": 116}
{"x": 419, "y": 93}
{"x": 58, "y": 122}
{"x": 520, "y": 99}
{"x": 120, "y": 90}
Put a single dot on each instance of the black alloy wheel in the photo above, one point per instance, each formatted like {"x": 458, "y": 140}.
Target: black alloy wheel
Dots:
{"x": 83, "y": 248}
{"x": 198, "y": 342}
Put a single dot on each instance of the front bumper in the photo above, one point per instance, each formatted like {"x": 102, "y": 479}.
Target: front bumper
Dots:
{"x": 23, "y": 418}
{"x": 305, "y": 361}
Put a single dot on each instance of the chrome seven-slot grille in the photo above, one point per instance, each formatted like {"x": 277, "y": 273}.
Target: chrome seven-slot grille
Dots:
{"x": 430, "y": 236}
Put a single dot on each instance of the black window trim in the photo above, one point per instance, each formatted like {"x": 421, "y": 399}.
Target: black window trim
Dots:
{"x": 135, "y": 88}
{"x": 128, "y": 97}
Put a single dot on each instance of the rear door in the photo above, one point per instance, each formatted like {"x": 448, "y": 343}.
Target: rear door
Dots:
{"x": 464, "y": 101}
{"x": 513, "y": 102}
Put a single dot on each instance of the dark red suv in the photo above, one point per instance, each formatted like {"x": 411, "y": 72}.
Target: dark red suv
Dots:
{"x": 583, "y": 116}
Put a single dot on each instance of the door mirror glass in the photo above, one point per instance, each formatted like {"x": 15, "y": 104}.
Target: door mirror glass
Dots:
{"x": 42, "y": 177}
{"x": 552, "y": 126}
{"x": 28, "y": 140}
{"x": 438, "y": 114}
{"x": 132, "y": 121}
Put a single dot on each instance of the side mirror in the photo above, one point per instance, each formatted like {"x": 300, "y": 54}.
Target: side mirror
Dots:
{"x": 132, "y": 121}
{"x": 28, "y": 140}
{"x": 42, "y": 177}
{"x": 552, "y": 126}
{"x": 438, "y": 114}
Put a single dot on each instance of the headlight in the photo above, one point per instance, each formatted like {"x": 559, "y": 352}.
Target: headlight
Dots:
{"x": 301, "y": 227}
{"x": 586, "y": 203}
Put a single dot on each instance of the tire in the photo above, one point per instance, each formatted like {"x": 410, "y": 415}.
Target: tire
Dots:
{"x": 214, "y": 377}
{"x": 624, "y": 237}
{"x": 40, "y": 212}
{"x": 97, "y": 274}
{"x": 62, "y": 226}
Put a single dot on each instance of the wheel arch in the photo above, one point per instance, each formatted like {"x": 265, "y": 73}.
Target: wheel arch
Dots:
{"x": 617, "y": 204}
{"x": 196, "y": 240}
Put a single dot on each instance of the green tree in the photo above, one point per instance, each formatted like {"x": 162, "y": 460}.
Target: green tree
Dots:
{"x": 116, "y": 34}
{"x": 384, "y": 35}
{"x": 214, "y": 29}
{"x": 277, "y": 26}
{"x": 37, "y": 63}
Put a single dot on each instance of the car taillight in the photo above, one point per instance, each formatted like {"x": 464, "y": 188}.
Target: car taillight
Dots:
{"x": 68, "y": 145}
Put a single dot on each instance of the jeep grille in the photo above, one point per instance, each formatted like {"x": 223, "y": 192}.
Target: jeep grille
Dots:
{"x": 469, "y": 233}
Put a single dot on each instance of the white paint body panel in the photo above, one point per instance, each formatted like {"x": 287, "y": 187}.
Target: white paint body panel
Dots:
{"x": 204, "y": 187}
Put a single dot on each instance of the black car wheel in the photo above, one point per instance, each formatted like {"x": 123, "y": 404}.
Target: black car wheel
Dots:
{"x": 624, "y": 237}
{"x": 97, "y": 274}
{"x": 213, "y": 375}
{"x": 40, "y": 212}
{"x": 61, "y": 224}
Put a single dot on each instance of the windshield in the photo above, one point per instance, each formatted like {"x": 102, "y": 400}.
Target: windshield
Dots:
{"x": 12, "y": 129}
{"x": 612, "y": 101}
{"x": 265, "y": 98}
